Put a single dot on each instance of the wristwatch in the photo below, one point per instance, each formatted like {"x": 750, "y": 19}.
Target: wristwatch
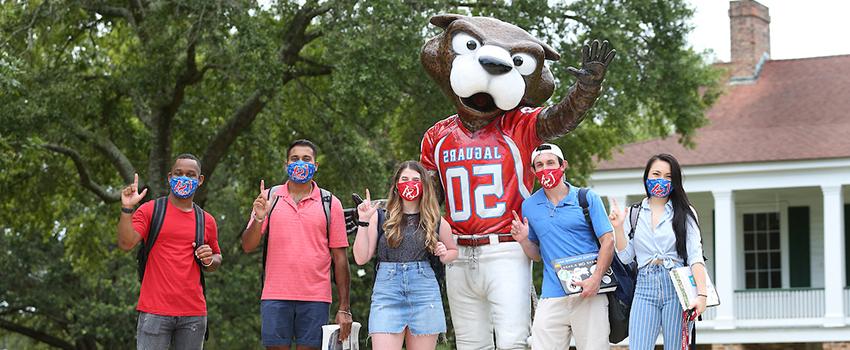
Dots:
{"x": 362, "y": 223}
{"x": 127, "y": 210}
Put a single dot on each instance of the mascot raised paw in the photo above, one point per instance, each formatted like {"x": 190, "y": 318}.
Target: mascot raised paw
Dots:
{"x": 495, "y": 75}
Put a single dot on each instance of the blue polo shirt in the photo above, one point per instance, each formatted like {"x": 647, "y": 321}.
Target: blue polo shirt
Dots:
{"x": 562, "y": 231}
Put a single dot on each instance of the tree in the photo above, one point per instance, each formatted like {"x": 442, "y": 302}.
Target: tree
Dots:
{"x": 95, "y": 91}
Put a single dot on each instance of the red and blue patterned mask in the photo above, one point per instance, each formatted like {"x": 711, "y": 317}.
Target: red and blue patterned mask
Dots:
{"x": 183, "y": 186}
{"x": 660, "y": 188}
{"x": 300, "y": 172}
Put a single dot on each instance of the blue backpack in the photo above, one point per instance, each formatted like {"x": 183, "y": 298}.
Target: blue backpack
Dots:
{"x": 620, "y": 301}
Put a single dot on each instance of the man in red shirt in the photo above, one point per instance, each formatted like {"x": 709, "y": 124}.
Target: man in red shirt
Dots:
{"x": 301, "y": 244}
{"x": 172, "y": 307}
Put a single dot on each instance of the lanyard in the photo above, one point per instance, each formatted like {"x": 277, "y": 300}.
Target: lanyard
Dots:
{"x": 687, "y": 317}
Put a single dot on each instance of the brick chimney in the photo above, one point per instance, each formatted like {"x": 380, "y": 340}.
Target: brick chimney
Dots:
{"x": 750, "y": 31}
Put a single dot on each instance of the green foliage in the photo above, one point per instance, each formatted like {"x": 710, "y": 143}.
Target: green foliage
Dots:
{"x": 114, "y": 89}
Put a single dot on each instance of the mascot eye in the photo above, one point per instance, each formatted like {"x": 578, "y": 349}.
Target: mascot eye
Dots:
{"x": 524, "y": 63}
{"x": 463, "y": 43}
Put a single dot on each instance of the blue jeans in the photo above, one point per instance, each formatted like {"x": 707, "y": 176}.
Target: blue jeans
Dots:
{"x": 655, "y": 309}
{"x": 406, "y": 295}
{"x": 156, "y": 332}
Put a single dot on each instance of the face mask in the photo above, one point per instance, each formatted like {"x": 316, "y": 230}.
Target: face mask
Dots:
{"x": 549, "y": 178}
{"x": 183, "y": 186}
{"x": 300, "y": 172}
{"x": 659, "y": 187}
{"x": 409, "y": 190}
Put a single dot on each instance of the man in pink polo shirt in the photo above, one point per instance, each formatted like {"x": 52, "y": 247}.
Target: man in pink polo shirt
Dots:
{"x": 296, "y": 294}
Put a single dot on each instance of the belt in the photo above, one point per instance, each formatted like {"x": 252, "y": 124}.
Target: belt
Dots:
{"x": 484, "y": 240}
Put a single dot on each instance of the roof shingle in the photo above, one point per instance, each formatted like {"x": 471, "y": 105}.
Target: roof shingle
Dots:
{"x": 797, "y": 109}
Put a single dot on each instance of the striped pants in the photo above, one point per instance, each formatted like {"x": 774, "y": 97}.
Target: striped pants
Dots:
{"x": 655, "y": 309}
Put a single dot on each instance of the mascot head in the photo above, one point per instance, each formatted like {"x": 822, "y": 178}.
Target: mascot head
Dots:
{"x": 486, "y": 66}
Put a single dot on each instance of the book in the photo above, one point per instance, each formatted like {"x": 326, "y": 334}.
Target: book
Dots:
{"x": 686, "y": 287}
{"x": 581, "y": 267}
{"x": 331, "y": 341}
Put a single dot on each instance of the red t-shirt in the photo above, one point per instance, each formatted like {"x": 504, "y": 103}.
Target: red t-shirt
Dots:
{"x": 172, "y": 283}
{"x": 485, "y": 174}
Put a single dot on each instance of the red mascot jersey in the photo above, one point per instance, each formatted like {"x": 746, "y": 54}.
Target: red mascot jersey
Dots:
{"x": 485, "y": 174}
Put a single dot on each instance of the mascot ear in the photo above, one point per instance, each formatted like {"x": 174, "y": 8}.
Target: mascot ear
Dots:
{"x": 549, "y": 53}
{"x": 444, "y": 20}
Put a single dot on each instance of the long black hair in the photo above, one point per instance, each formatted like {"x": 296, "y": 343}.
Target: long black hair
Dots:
{"x": 681, "y": 205}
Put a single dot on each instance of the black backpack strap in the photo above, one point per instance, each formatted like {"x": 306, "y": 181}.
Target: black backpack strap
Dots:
{"x": 585, "y": 208}
{"x": 200, "y": 223}
{"x": 272, "y": 191}
{"x": 327, "y": 197}
{"x": 634, "y": 214}
{"x": 158, "y": 217}
{"x": 437, "y": 265}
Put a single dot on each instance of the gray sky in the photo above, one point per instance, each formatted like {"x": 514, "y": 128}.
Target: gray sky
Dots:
{"x": 798, "y": 28}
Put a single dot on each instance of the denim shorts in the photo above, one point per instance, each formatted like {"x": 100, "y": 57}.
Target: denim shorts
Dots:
{"x": 406, "y": 295}
{"x": 285, "y": 322}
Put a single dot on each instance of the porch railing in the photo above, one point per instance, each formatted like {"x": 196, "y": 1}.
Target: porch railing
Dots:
{"x": 780, "y": 303}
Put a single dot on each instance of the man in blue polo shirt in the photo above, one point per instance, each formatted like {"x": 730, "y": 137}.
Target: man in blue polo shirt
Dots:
{"x": 554, "y": 227}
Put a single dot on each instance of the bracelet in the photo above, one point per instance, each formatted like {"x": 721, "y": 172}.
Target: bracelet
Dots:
{"x": 205, "y": 265}
{"x": 254, "y": 215}
{"x": 126, "y": 210}
{"x": 362, "y": 223}
{"x": 345, "y": 312}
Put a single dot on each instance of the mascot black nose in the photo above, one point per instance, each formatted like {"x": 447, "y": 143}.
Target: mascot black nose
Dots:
{"x": 494, "y": 66}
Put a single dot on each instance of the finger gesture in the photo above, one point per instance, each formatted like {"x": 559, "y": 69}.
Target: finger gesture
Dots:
{"x": 366, "y": 209}
{"x": 595, "y": 59}
{"x": 617, "y": 216}
{"x": 261, "y": 204}
{"x": 130, "y": 195}
{"x": 519, "y": 228}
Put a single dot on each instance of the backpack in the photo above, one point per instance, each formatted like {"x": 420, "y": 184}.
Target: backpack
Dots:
{"x": 155, "y": 226}
{"x": 436, "y": 264}
{"x": 619, "y": 301}
{"x": 327, "y": 197}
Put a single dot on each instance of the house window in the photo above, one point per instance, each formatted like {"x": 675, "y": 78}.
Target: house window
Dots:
{"x": 762, "y": 254}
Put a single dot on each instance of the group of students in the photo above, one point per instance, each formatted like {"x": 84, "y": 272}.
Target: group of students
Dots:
{"x": 305, "y": 238}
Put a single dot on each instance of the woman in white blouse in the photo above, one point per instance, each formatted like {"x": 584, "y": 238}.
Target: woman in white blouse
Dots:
{"x": 666, "y": 236}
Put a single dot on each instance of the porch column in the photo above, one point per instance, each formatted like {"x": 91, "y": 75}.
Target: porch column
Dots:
{"x": 726, "y": 254}
{"x": 833, "y": 255}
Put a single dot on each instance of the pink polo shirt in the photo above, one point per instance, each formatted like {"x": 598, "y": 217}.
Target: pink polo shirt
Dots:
{"x": 299, "y": 261}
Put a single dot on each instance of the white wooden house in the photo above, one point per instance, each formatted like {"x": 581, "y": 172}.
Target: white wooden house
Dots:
{"x": 770, "y": 179}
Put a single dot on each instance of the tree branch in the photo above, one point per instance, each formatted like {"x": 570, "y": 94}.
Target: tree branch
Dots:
{"x": 476, "y": 4}
{"x": 110, "y": 11}
{"x": 236, "y": 124}
{"x": 160, "y": 122}
{"x": 294, "y": 38}
{"x": 110, "y": 151}
{"x": 85, "y": 179}
{"x": 312, "y": 69}
{"x": 36, "y": 334}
